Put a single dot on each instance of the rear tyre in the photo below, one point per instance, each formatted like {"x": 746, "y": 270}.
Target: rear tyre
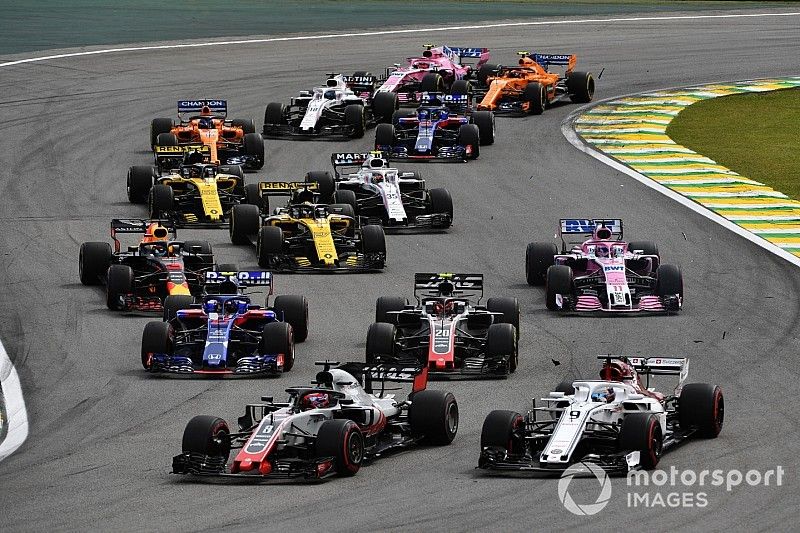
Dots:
{"x": 174, "y": 303}
{"x": 509, "y": 307}
{"x": 208, "y": 436}
{"x": 274, "y": 114}
{"x": 139, "y": 182}
{"x": 166, "y": 139}
{"x": 386, "y": 304}
{"x": 94, "y": 259}
{"x": 119, "y": 284}
{"x": 278, "y": 338}
{"x": 252, "y": 196}
{"x": 539, "y": 256}
{"x": 381, "y": 341}
{"x": 461, "y": 87}
{"x": 356, "y": 117}
{"x": 441, "y": 202}
{"x": 670, "y": 280}
{"x": 642, "y": 432}
{"x": 503, "y": 429}
{"x": 245, "y": 221}
{"x": 558, "y": 282}
{"x": 433, "y": 415}
{"x": 646, "y": 247}
{"x": 247, "y": 125}
{"x": 580, "y": 86}
{"x": 156, "y": 338}
{"x": 485, "y": 122}
{"x": 469, "y": 135}
{"x": 534, "y": 94}
{"x": 269, "y": 245}
{"x": 566, "y": 387}
{"x": 431, "y": 83}
{"x": 384, "y": 136}
{"x": 348, "y": 197}
{"x": 384, "y": 105}
{"x": 294, "y": 310}
{"x": 254, "y": 148}
{"x": 159, "y": 126}
{"x": 501, "y": 343}
{"x": 373, "y": 241}
{"x": 161, "y": 201}
{"x": 326, "y": 185}
{"x": 486, "y": 71}
{"x": 702, "y": 406}
{"x": 342, "y": 440}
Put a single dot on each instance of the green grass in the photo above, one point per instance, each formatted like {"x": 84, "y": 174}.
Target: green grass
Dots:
{"x": 755, "y": 135}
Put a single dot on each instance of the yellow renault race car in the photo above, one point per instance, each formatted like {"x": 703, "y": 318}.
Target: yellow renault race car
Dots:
{"x": 186, "y": 188}
{"x": 306, "y": 235}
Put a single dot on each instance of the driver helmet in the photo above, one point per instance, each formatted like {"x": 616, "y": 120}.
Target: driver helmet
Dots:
{"x": 616, "y": 371}
{"x": 330, "y": 94}
{"x": 231, "y": 307}
{"x": 377, "y": 177}
{"x": 205, "y": 123}
{"x": 601, "y": 251}
{"x": 196, "y": 171}
{"x": 423, "y": 114}
{"x": 158, "y": 249}
{"x": 211, "y": 306}
{"x": 605, "y": 395}
{"x": 315, "y": 400}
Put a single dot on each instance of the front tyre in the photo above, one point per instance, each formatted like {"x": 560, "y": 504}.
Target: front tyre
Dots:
{"x": 343, "y": 441}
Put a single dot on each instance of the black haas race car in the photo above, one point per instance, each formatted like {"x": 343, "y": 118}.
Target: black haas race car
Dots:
{"x": 447, "y": 330}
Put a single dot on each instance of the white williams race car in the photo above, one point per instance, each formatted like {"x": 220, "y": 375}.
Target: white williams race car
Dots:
{"x": 344, "y": 107}
{"x": 385, "y": 195}
{"x": 617, "y": 423}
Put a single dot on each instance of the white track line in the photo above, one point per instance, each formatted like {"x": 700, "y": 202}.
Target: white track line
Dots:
{"x": 567, "y": 128}
{"x": 14, "y": 407}
{"x": 391, "y": 32}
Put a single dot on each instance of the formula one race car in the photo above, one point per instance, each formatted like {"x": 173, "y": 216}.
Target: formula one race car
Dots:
{"x": 447, "y": 330}
{"x": 436, "y": 131}
{"x": 329, "y": 428}
{"x": 346, "y": 106}
{"x": 530, "y": 87}
{"x": 437, "y": 70}
{"x": 141, "y": 277}
{"x": 308, "y": 235}
{"x": 603, "y": 273}
{"x": 384, "y": 195}
{"x": 226, "y": 334}
{"x": 184, "y": 186}
{"x": 232, "y": 142}
{"x": 616, "y": 423}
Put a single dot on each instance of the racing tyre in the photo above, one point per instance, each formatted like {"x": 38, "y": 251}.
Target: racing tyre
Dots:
{"x": 702, "y": 406}
{"x": 174, "y": 303}
{"x": 485, "y": 122}
{"x": 269, "y": 245}
{"x": 198, "y": 247}
{"x": 140, "y": 181}
{"x": 381, "y": 341}
{"x": 93, "y": 262}
{"x": 278, "y": 338}
{"x": 510, "y": 309}
{"x": 156, "y": 338}
{"x": 386, "y": 304}
{"x": 646, "y": 247}
{"x": 461, "y": 87}
{"x": 245, "y": 221}
{"x": 580, "y": 86}
{"x": 254, "y": 147}
{"x": 642, "y": 432}
{"x": 348, "y": 197}
{"x": 160, "y": 201}
{"x": 441, "y": 202}
{"x": 166, "y": 139}
{"x": 247, "y": 125}
{"x": 503, "y": 429}
{"x": 208, "y": 436}
{"x": 539, "y": 256}
{"x": 384, "y": 136}
{"x": 534, "y": 94}
{"x": 326, "y": 185}
{"x": 670, "y": 280}
{"x": 252, "y": 196}
{"x": 501, "y": 342}
{"x": 119, "y": 284}
{"x": 433, "y": 415}
{"x": 558, "y": 281}
{"x": 566, "y": 387}
{"x": 373, "y": 241}
{"x": 384, "y": 105}
{"x": 274, "y": 114}
{"x": 486, "y": 71}
{"x": 431, "y": 83}
{"x": 356, "y": 117}
{"x": 159, "y": 126}
{"x": 342, "y": 440}
{"x": 294, "y": 309}
{"x": 469, "y": 135}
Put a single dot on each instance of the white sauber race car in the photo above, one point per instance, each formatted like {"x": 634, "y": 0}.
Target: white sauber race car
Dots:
{"x": 344, "y": 107}
{"x": 616, "y": 423}
{"x": 343, "y": 419}
{"x": 384, "y": 195}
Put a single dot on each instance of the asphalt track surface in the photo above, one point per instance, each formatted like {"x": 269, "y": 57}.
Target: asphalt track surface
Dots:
{"x": 103, "y": 433}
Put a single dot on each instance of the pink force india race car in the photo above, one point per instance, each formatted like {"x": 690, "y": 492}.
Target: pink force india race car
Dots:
{"x": 603, "y": 273}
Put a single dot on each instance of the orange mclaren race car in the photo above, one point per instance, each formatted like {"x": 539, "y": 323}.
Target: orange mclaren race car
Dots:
{"x": 142, "y": 276}
{"x": 529, "y": 87}
{"x": 232, "y": 142}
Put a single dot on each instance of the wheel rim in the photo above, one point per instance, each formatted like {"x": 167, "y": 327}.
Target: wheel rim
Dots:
{"x": 355, "y": 448}
{"x": 452, "y": 418}
{"x": 719, "y": 412}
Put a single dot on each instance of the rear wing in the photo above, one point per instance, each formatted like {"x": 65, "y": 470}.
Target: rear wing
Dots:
{"x": 217, "y": 280}
{"x": 448, "y": 284}
{"x": 576, "y": 230}
{"x": 352, "y": 159}
{"x": 206, "y": 107}
{"x": 286, "y": 188}
{"x": 457, "y": 53}
{"x": 138, "y": 225}
{"x": 360, "y": 84}
{"x": 460, "y": 103}
{"x": 170, "y": 157}
{"x": 368, "y": 374}
{"x": 655, "y": 366}
{"x": 545, "y": 60}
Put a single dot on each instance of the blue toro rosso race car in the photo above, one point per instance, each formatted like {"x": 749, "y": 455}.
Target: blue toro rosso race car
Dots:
{"x": 226, "y": 334}
{"x": 441, "y": 129}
